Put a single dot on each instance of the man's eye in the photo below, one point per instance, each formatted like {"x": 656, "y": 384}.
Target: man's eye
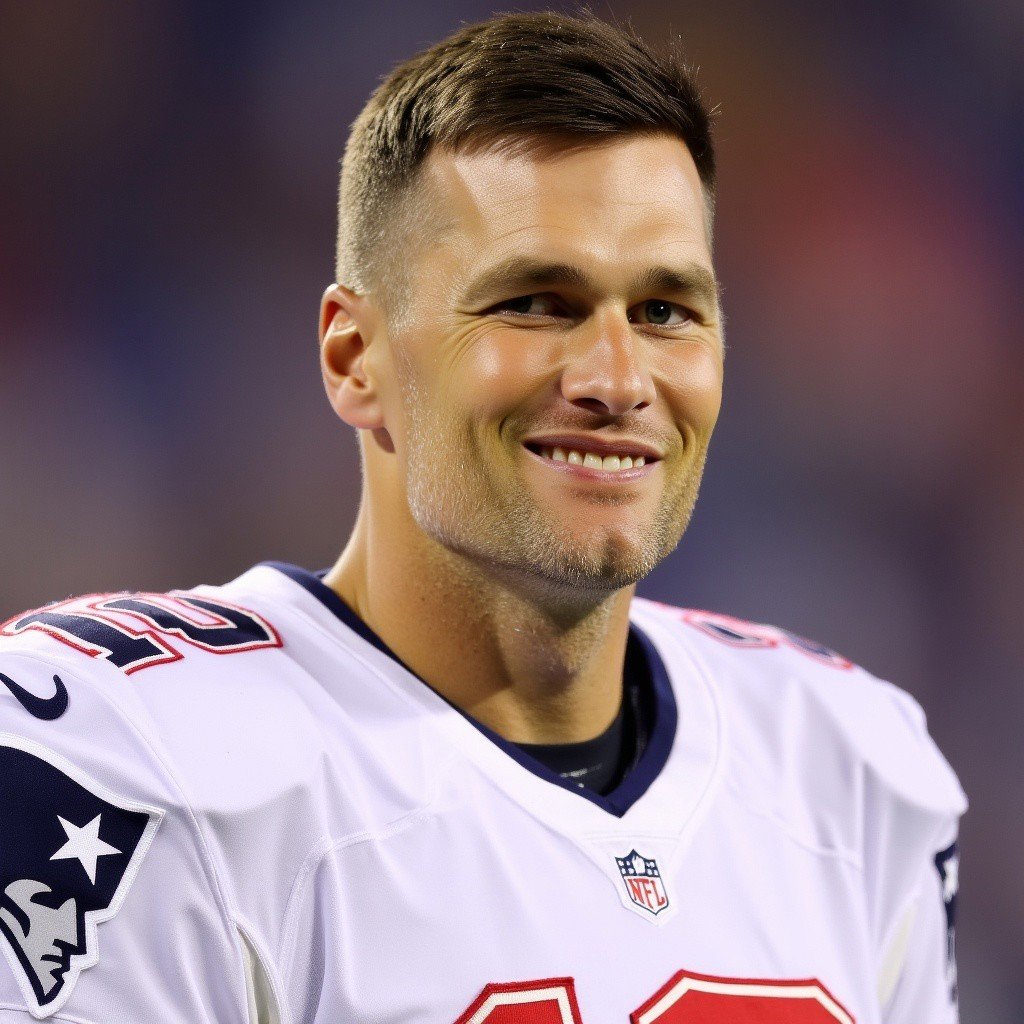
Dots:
{"x": 660, "y": 313}
{"x": 527, "y": 305}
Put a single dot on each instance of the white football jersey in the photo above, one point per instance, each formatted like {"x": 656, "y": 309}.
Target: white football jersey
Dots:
{"x": 234, "y": 805}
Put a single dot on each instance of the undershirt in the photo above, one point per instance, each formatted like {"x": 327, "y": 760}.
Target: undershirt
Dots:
{"x": 601, "y": 763}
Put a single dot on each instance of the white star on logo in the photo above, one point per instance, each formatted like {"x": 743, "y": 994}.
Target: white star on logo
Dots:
{"x": 84, "y": 845}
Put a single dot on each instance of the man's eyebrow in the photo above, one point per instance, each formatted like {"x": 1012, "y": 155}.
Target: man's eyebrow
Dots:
{"x": 693, "y": 279}
{"x": 523, "y": 274}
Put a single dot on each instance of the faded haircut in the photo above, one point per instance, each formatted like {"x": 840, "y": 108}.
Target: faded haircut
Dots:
{"x": 535, "y": 82}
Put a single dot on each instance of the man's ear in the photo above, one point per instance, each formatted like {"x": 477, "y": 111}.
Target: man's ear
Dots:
{"x": 347, "y": 324}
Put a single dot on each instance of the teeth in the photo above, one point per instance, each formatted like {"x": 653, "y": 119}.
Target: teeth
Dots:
{"x": 609, "y": 463}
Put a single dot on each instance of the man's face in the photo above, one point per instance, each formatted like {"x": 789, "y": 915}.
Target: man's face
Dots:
{"x": 603, "y": 326}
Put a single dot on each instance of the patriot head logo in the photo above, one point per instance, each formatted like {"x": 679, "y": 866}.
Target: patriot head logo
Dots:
{"x": 643, "y": 882}
{"x": 69, "y": 850}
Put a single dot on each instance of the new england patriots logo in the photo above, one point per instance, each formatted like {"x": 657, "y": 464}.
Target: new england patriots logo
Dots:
{"x": 69, "y": 850}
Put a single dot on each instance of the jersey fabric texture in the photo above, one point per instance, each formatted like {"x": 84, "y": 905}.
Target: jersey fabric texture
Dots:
{"x": 234, "y": 805}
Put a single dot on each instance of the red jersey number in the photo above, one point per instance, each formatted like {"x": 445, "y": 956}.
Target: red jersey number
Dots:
{"x": 529, "y": 1002}
{"x": 688, "y": 998}
{"x": 699, "y": 999}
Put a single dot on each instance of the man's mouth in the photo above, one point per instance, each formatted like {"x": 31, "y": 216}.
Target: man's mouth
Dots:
{"x": 592, "y": 465}
{"x": 593, "y": 457}
{"x": 592, "y": 460}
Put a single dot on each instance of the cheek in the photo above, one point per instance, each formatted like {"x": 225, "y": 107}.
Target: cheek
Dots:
{"x": 694, "y": 390}
{"x": 501, "y": 370}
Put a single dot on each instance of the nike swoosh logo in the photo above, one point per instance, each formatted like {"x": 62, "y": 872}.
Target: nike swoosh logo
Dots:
{"x": 46, "y": 708}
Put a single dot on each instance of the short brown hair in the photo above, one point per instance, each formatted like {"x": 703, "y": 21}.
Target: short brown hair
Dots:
{"x": 513, "y": 81}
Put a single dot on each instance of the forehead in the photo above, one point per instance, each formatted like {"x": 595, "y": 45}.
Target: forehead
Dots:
{"x": 625, "y": 203}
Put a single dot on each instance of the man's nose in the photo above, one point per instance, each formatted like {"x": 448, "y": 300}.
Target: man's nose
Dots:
{"x": 606, "y": 369}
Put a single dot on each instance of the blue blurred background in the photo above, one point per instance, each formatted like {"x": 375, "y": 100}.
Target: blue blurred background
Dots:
{"x": 168, "y": 182}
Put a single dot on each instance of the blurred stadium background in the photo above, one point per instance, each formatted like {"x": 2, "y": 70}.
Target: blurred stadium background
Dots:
{"x": 168, "y": 182}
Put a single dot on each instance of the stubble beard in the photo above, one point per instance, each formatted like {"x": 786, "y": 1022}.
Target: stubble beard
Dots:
{"x": 491, "y": 520}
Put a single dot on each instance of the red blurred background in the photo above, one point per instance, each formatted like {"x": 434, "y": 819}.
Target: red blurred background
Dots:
{"x": 167, "y": 210}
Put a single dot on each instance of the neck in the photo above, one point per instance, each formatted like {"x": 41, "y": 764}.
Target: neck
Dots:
{"x": 535, "y": 669}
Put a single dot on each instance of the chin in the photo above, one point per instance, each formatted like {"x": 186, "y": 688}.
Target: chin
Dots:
{"x": 606, "y": 565}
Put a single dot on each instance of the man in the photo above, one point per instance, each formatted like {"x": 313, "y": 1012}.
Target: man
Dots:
{"x": 465, "y": 775}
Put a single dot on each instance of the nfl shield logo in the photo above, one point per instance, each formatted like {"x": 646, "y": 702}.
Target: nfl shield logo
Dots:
{"x": 643, "y": 882}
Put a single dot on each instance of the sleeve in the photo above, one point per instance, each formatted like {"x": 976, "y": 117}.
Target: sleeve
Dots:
{"x": 918, "y": 980}
{"x": 915, "y": 803}
{"x": 111, "y": 910}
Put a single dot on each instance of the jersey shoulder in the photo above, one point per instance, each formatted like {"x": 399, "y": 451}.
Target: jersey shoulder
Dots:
{"x": 215, "y": 725}
{"x": 793, "y": 697}
{"x": 249, "y": 693}
{"x": 148, "y": 673}
{"x": 99, "y": 821}
{"x": 152, "y": 665}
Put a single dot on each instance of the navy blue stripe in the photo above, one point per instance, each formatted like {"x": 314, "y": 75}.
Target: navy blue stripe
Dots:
{"x": 636, "y": 782}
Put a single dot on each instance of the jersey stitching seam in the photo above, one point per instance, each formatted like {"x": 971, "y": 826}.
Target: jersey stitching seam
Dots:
{"x": 316, "y": 857}
{"x": 835, "y": 853}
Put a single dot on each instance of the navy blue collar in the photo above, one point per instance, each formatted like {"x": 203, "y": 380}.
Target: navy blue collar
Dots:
{"x": 662, "y": 728}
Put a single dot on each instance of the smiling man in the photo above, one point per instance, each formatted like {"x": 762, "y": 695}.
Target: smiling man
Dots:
{"x": 534, "y": 432}
{"x": 466, "y": 775}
